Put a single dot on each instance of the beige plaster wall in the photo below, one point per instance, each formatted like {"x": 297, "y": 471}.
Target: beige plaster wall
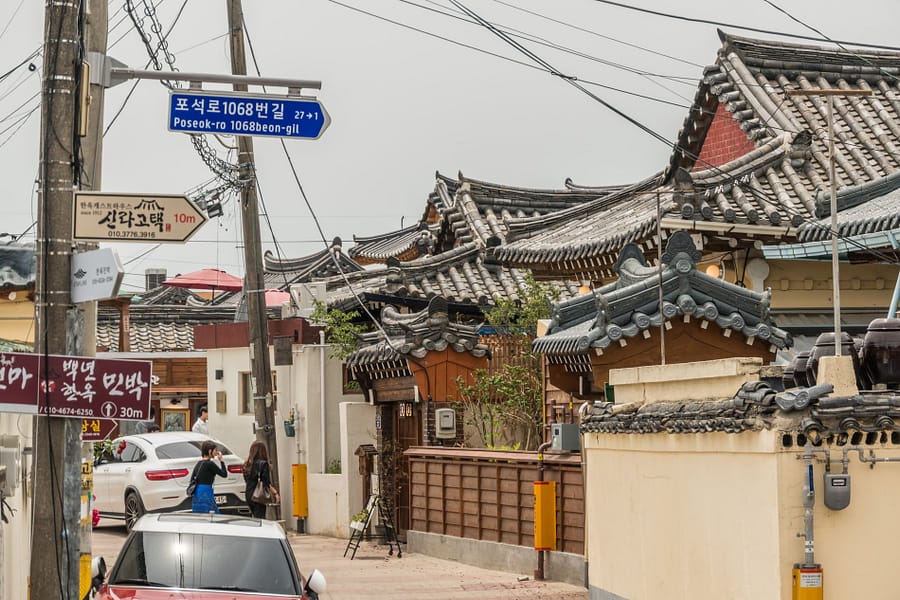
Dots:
{"x": 699, "y": 380}
{"x": 717, "y": 515}
{"x": 857, "y": 546}
{"x": 17, "y": 323}
{"x": 683, "y": 516}
{"x": 807, "y": 283}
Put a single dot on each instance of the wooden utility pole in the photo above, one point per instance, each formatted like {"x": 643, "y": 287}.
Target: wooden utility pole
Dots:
{"x": 254, "y": 285}
{"x": 830, "y": 93}
{"x": 57, "y": 441}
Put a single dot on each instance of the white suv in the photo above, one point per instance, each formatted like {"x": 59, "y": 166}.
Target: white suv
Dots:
{"x": 149, "y": 472}
{"x": 205, "y": 556}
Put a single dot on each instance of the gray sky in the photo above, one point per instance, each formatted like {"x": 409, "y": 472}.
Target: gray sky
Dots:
{"x": 403, "y": 104}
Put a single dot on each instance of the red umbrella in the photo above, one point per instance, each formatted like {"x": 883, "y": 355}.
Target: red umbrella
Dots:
{"x": 276, "y": 297}
{"x": 207, "y": 279}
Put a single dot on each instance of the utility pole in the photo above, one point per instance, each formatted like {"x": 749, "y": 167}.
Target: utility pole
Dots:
{"x": 830, "y": 93}
{"x": 254, "y": 286}
{"x": 95, "y": 40}
{"x": 56, "y": 479}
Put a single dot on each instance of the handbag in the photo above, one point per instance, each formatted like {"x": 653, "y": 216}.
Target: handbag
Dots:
{"x": 192, "y": 486}
{"x": 261, "y": 494}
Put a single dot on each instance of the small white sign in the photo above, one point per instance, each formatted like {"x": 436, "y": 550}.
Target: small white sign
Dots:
{"x": 96, "y": 275}
{"x": 811, "y": 579}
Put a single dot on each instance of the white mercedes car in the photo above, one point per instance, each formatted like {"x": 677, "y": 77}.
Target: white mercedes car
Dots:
{"x": 149, "y": 472}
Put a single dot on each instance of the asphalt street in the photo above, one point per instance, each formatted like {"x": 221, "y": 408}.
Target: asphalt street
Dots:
{"x": 373, "y": 573}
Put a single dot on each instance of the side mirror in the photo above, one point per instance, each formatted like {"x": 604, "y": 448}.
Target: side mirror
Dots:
{"x": 316, "y": 582}
{"x": 98, "y": 572}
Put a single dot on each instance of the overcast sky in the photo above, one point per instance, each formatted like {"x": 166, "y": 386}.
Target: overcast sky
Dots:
{"x": 404, "y": 104}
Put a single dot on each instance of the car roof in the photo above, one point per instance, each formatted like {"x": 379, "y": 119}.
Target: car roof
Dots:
{"x": 209, "y": 524}
{"x": 157, "y": 438}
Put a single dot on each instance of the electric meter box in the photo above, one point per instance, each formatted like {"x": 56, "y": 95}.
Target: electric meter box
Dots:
{"x": 837, "y": 491}
{"x": 445, "y": 423}
{"x": 565, "y": 437}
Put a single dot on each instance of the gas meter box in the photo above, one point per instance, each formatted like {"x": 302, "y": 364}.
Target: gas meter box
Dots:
{"x": 837, "y": 491}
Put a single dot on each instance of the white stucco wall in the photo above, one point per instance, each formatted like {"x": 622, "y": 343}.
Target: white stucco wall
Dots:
{"x": 15, "y": 536}
{"x": 299, "y": 389}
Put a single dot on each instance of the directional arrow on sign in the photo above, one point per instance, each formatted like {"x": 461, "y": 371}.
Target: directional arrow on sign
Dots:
{"x": 156, "y": 218}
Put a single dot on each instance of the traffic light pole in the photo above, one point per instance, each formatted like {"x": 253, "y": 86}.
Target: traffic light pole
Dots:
{"x": 254, "y": 284}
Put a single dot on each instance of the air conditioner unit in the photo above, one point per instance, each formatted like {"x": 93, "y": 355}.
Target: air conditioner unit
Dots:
{"x": 305, "y": 296}
{"x": 11, "y": 460}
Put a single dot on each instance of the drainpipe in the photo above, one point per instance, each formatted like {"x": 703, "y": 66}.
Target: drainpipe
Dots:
{"x": 322, "y": 399}
{"x": 809, "y": 500}
{"x": 539, "y": 572}
{"x": 895, "y": 299}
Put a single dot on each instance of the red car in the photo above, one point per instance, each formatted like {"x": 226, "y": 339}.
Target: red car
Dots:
{"x": 195, "y": 556}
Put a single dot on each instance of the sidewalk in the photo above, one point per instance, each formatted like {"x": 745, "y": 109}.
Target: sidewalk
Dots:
{"x": 374, "y": 574}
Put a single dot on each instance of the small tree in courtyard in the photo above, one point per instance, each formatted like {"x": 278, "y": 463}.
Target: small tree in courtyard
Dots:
{"x": 505, "y": 405}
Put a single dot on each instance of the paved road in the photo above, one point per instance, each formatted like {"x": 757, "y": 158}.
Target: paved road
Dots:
{"x": 374, "y": 574}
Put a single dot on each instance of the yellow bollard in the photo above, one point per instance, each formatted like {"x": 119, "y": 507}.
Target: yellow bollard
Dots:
{"x": 300, "y": 492}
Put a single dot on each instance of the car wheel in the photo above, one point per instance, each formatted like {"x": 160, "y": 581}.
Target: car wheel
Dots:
{"x": 134, "y": 509}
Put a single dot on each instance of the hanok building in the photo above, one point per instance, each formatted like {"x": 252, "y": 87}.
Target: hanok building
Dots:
{"x": 750, "y": 169}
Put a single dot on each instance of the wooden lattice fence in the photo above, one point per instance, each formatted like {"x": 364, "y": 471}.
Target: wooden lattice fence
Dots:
{"x": 488, "y": 495}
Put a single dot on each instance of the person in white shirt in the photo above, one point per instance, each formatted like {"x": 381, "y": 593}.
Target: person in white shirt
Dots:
{"x": 202, "y": 425}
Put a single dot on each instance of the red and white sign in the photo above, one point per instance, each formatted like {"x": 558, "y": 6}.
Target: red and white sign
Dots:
{"x": 75, "y": 386}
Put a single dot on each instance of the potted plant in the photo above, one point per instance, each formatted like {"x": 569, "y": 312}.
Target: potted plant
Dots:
{"x": 358, "y": 521}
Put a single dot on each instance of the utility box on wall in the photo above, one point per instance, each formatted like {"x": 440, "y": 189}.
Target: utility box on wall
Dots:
{"x": 565, "y": 437}
{"x": 445, "y": 423}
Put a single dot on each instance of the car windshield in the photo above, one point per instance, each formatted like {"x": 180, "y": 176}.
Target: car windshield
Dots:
{"x": 184, "y": 450}
{"x": 213, "y": 562}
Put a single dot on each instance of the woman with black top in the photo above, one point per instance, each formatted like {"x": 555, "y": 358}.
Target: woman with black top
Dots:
{"x": 206, "y": 470}
{"x": 256, "y": 469}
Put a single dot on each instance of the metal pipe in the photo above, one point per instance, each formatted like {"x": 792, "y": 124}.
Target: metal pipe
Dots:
{"x": 809, "y": 501}
{"x": 895, "y": 299}
{"x": 119, "y": 74}
{"x": 863, "y": 458}
{"x": 322, "y": 400}
{"x": 539, "y": 572}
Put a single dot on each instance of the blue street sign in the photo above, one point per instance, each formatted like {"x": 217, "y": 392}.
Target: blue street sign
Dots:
{"x": 244, "y": 114}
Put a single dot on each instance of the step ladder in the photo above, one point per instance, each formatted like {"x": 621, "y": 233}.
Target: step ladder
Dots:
{"x": 387, "y": 522}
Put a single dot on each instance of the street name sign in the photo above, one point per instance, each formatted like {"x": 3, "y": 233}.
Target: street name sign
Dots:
{"x": 96, "y": 275}
{"x": 247, "y": 114}
{"x": 157, "y": 218}
{"x": 83, "y": 387}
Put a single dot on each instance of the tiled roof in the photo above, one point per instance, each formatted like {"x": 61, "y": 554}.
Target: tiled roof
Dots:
{"x": 415, "y": 335}
{"x": 168, "y": 295}
{"x": 756, "y": 406}
{"x": 460, "y": 276}
{"x": 404, "y": 244}
{"x": 158, "y": 328}
{"x": 282, "y": 273}
{"x": 868, "y": 208}
{"x": 18, "y": 266}
{"x": 766, "y": 193}
{"x": 630, "y": 305}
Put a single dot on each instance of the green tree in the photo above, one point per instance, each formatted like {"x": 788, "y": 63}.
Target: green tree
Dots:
{"x": 505, "y": 405}
{"x": 341, "y": 328}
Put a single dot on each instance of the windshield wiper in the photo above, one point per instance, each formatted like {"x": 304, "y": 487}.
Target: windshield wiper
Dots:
{"x": 140, "y": 582}
{"x": 231, "y": 588}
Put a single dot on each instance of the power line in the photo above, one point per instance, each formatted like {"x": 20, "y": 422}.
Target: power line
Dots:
{"x": 573, "y": 82}
{"x": 740, "y": 27}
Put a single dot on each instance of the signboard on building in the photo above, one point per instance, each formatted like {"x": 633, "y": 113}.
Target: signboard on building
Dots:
{"x": 246, "y": 114}
{"x": 82, "y": 387}
{"x": 157, "y": 218}
{"x": 96, "y": 275}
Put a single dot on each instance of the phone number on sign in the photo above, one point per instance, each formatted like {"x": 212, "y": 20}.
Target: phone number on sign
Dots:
{"x": 66, "y": 411}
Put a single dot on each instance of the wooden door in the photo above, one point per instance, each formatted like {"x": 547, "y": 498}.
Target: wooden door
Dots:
{"x": 408, "y": 432}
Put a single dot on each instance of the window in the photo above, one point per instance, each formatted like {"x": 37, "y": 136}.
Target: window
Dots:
{"x": 209, "y": 562}
{"x": 246, "y": 394}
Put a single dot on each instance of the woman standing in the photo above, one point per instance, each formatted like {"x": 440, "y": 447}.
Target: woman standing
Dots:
{"x": 256, "y": 470}
{"x": 204, "y": 501}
